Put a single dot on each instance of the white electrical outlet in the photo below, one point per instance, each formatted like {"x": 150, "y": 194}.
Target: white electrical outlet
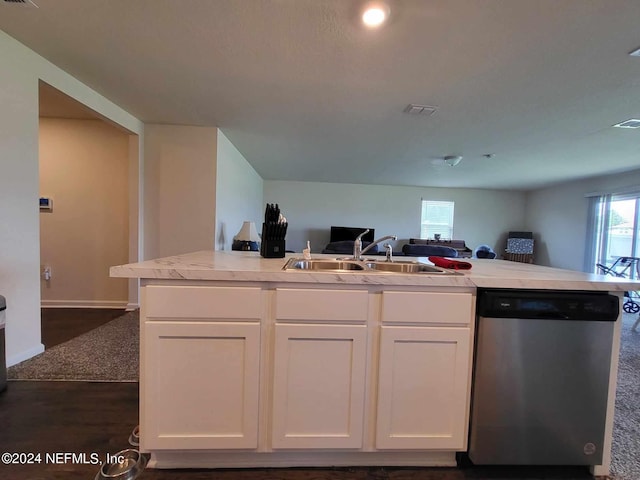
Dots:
{"x": 46, "y": 272}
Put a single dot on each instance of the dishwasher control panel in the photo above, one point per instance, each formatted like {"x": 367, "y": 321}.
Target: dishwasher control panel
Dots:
{"x": 550, "y": 304}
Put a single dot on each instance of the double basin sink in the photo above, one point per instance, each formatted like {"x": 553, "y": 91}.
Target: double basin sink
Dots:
{"x": 365, "y": 266}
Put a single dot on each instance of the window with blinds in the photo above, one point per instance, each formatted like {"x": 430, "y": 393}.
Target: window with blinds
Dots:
{"x": 437, "y": 219}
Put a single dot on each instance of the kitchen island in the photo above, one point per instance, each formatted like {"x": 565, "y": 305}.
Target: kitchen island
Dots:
{"x": 244, "y": 364}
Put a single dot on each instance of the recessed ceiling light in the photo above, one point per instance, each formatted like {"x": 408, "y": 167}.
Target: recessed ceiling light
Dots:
{"x": 375, "y": 14}
{"x": 631, "y": 123}
{"x": 635, "y": 53}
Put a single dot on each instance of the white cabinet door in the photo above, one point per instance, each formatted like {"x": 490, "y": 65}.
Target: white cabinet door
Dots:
{"x": 422, "y": 388}
{"x": 202, "y": 384}
{"x": 319, "y": 381}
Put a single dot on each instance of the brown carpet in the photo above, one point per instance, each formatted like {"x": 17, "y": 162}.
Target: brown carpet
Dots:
{"x": 625, "y": 461}
{"x": 106, "y": 354}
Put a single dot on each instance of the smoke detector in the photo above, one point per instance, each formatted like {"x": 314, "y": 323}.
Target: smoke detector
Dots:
{"x": 449, "y": 160}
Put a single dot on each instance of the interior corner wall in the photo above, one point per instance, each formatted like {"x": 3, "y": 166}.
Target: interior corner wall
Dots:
{"x": 84, "y": 167}
{"x": 239, "y": 193}
{"x": 558, "y": 217}
{"x": 480, "y": 217}
{"x": 135, "y": 215}
{"x": 179, "y": 189}
{"x": 19, "y": 241}
{"x": 20, "y": 70}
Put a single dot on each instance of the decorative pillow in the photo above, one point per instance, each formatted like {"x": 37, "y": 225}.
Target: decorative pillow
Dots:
{"x": 519, "y": 245}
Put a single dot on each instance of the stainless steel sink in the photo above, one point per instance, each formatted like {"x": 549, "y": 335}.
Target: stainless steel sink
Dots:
{"x": 324, "y": 264}
{"x": 366, "y": 266}
{"x": 407, "y": 267}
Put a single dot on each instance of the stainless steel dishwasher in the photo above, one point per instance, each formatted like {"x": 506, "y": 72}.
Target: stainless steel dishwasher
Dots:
{"x": 541, "y": 377}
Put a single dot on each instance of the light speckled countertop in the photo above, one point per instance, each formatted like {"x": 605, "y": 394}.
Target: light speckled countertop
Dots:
{"x": 251, "y": 267}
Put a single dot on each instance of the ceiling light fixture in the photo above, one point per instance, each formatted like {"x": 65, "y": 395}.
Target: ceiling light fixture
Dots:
{"x": 452, "y": 160}
{"x": 375, "y": 14}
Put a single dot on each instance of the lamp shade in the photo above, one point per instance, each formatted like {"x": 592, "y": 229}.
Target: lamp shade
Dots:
{"x": 247, "y": 238}
{"x": 248, "y": 233}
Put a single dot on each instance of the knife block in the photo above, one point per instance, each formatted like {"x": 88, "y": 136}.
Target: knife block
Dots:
{"x": 271, "y": 247}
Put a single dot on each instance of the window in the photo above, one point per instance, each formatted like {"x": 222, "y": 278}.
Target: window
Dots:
{"x": 437, "y": 219}
{"x": 614, "y": 230}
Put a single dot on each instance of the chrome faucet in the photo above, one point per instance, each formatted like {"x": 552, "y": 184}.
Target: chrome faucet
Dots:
{"x": 358, "y": 251}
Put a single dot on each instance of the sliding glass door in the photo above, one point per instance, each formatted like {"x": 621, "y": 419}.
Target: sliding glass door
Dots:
{"x": 614, "y": 230}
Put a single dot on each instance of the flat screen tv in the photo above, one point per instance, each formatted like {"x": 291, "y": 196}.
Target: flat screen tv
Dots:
{"x": 338, "y": 234}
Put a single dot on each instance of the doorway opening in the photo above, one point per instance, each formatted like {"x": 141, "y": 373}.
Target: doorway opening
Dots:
{"x": 89, "y": 188}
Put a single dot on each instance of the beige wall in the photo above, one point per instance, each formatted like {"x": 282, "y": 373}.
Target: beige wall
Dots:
{"x": 84, "y": 167}
{"x": 20, "y": 70}
{"x": 180, "y": 189}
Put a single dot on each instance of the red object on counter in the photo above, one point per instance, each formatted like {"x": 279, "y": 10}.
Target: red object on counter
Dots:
{"x": 452, "y": 264}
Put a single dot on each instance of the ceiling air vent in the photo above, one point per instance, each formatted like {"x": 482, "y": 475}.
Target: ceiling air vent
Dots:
{"x": 21, "y": 3}
{"x": 631, "y": 123}
{"x": 415, "y": 109}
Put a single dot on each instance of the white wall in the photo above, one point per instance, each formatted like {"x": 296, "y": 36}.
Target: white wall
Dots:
{"x": 84, "y": 167}
{"x": 239, "y": 193}
{"x": 481, "y": 216}
{"x": 558, "y": 216}
{"x": 180, "y": 189}
{"x": 20, "y": 70}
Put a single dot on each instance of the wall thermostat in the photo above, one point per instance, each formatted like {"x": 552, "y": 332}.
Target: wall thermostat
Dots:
{"x": 46, "y": 204}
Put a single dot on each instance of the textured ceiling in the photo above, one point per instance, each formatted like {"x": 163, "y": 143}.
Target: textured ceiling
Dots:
{"x": 305, "y": 93}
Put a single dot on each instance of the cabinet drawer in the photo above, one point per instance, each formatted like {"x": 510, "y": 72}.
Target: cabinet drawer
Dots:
{"x": 427, "y": 307}
{"x": 203, "y": 302}
{"x": 302, "y": 304}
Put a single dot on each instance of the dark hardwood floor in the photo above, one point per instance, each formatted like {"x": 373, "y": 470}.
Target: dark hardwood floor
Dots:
{"x": 97, "y": 418}
{"x": 62, "y": 324}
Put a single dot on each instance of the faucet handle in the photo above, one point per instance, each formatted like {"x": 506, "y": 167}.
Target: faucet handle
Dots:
{"x": 357, "y": 245}
{"x": 388, "y": 252}
{"x": 359, "y": 237}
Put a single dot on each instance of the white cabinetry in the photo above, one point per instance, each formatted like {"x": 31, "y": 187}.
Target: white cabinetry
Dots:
{"x": 200, "y": 368}
{"x": 372, "y": 375}
{"x": 423, "y": 380}
{"x": 318, "y": 383}
{"x": 319, "y": 368}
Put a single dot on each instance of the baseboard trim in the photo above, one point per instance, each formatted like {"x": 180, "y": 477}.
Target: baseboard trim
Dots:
{"x": 211, "y": 459}
{"x": 132, "y": 306}
{"x": 26, "y": 355}
{"x": 84, "y": 304}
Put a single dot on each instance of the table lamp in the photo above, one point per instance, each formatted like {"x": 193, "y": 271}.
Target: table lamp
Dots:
{"x": 247, "y": 238}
